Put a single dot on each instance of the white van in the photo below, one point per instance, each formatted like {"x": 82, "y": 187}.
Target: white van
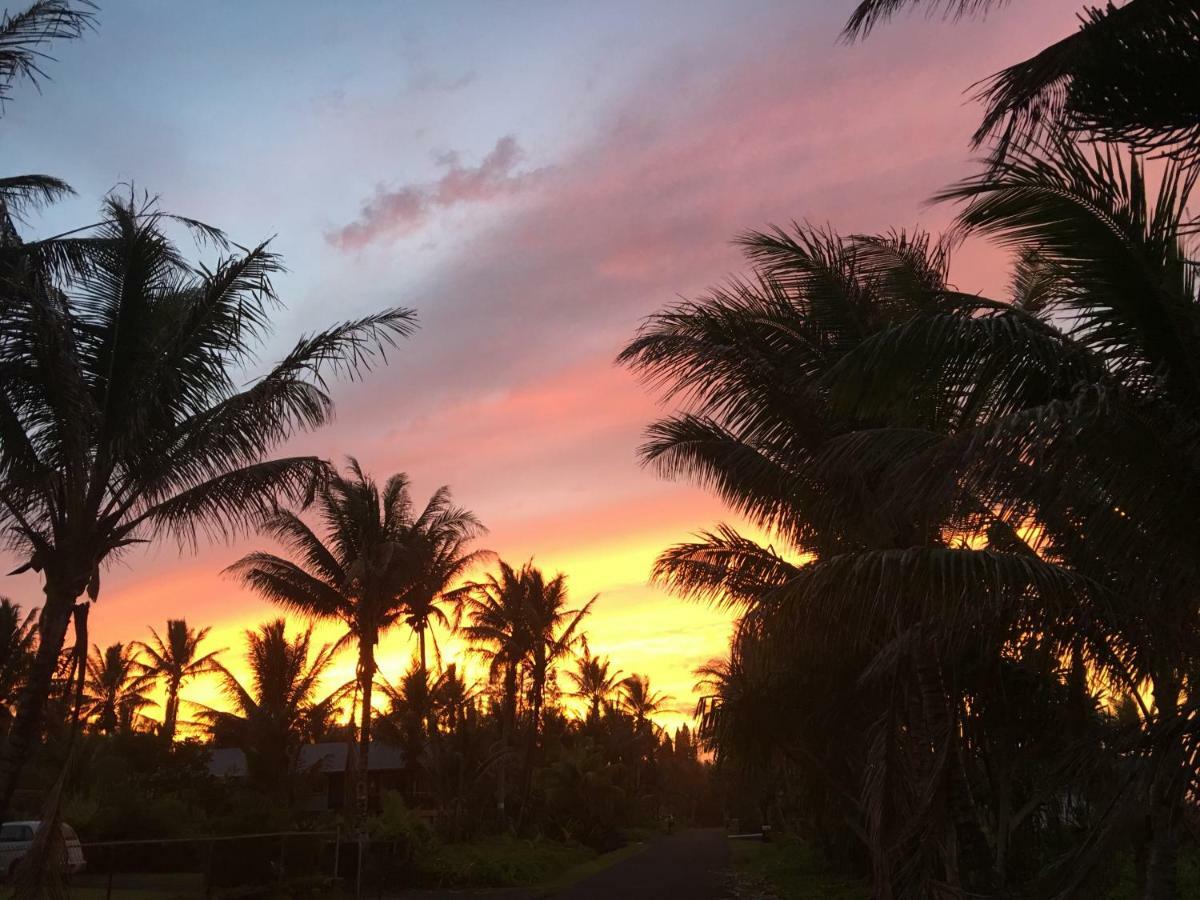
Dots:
{"x": 16, "y": 838}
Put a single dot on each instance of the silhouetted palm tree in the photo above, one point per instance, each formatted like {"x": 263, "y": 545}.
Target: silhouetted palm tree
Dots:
{"x": 175, "y": 660}
{"x": 595, "y": 680}
{"x": 519, "y": 621}
{"x": 496, "y": 630}
{"x": 451, "y": 697}
{"x": 407, "y": 715}
{"x": 553, "y": 634}
{"x": 641, "y": 701}
{"x": 128, "y": 416}
{"x": 116, "y": 680}
{"x": 438, "y": 545}
{"x": 273, "y": 716}
{"x": 378, "y": 562}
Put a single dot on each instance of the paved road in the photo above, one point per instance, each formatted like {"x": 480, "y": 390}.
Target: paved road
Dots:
{"x": 686, "y": 866}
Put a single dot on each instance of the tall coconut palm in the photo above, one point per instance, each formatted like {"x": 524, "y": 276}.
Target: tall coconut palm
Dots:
{"x": 554, "y": 631}
{"x": 116, "y": 682}
{"x": 175, "y": 660}
{"x": 127, "y": 415}
{"x": 438, "y": 548}
{"x": 521, "y": 623}
{"x": 377, "y": 558}
{"x": 595, "y": 680}
{"x": 496, "y": 630}
{"x": 272, "y": 715}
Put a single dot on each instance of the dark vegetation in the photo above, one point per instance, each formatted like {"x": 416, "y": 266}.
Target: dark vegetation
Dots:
{"x": 963, "y": 668}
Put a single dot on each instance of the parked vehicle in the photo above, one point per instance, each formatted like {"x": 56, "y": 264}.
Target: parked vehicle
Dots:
{"x": 17, "y": 837}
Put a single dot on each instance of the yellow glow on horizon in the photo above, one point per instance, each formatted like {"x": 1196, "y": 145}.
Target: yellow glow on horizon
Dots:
{"x": 641, "y": 628}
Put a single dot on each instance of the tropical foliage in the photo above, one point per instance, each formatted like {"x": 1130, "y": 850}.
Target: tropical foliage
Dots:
{"x": 381, "y": 563}
{"x": 175, "y": 660}
{"x": 277, "y": 711}
{"x": 116, "y": 684}
{"x": 980, "y": 609}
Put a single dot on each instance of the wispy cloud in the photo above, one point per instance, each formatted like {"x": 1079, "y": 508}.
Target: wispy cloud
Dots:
{"x": 398, "y": 211}
{"x": 429, "y": 80}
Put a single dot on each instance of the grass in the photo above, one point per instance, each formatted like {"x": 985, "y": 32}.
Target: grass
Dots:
{"x": 505, "y": 861}
{"x": 501, "y": 861}
{"x": 788, "y": 869}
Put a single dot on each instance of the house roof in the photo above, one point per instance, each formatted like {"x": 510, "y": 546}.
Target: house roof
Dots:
{"x": 326, "y": 758}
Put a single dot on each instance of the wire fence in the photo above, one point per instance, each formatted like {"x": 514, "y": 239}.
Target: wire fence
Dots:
{"x": 245, "y": 865}
{"x": 291, "y": 863}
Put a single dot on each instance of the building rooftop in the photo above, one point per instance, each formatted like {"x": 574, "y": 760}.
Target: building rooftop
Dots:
{"x": 326, "y": 758}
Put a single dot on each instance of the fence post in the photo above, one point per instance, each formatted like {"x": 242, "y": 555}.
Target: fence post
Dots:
{"x": 359, "y": 874}
{"x": 111, "y": 866}
{"x": 337, "y": 851}
{"x": 282, "y": 855}
{"x": 208, "y": 870}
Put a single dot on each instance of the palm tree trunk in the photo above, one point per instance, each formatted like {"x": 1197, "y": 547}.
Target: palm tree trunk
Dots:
{"x": 31, "y": 702}
{"x": 172, "y": 712}
{"x": 508, "y": 715}
{"x": 366, "y": 668}
{"x": 531, "y": 746}
{"x": 970, "y": 841}
{"x": 1162, "y": 858}
{"x": 427, "y": 712}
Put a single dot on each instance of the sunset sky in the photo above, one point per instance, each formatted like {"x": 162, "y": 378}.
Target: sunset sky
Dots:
{"x": 534, "y": 179}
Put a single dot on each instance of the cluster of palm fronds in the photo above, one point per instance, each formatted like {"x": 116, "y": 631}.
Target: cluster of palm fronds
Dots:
{"x": 970, "y": 651}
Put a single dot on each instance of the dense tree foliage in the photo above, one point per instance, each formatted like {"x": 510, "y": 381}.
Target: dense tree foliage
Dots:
{"x": 980, "y": 610}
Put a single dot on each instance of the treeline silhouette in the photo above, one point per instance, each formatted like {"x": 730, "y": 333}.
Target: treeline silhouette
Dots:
{"x": 507, "y": 753}
{"x": 964, "y": 665}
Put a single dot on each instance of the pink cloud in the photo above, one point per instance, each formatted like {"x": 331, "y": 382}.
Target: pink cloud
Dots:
{"x": 396, "y": 212}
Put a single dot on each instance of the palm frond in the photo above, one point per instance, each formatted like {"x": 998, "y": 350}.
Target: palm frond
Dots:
{"x": 870, "y": 13}
{"x": 25, "y": 35}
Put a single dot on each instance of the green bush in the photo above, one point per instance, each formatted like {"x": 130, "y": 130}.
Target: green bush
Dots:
{"x": 397, "y": 823}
